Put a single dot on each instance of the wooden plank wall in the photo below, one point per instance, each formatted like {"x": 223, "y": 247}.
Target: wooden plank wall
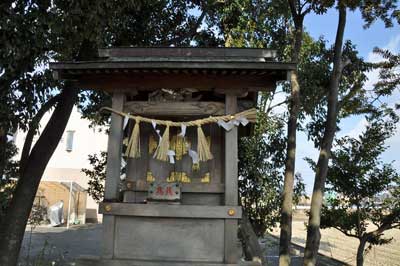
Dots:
{"x": 197, "y": 192}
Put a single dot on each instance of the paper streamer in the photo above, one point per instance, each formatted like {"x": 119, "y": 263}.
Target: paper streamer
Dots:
{"x": 203, "y": 147}
{"x": 154, "y": 124}
{"x": 195, "y": 157}
{"x": 243, "y": 120}
{"x": 126, "y": 119}
{"x": 226, "y": 125}
{"x": 171, "y": 155}
{"x": 183, "y": 130}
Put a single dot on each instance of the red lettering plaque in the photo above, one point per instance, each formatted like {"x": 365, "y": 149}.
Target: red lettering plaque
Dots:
{"x": 162, "y": 191}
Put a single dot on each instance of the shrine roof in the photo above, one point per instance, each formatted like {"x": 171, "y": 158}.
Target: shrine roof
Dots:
{"x": 129, "y": 67}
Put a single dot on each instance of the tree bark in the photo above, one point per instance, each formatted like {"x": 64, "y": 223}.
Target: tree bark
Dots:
{"x": 313, "y": 233}
{"x": 13, "y": 228}
{"x": 3, "y": 150}
{"x": 251, "y": 246}
{"x": 33, "y": 126}
{"x": 360, "y": 251}
{"x": 287, "y": 197}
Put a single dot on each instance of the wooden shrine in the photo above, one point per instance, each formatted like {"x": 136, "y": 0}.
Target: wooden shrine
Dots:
{"x": 176, "y": 200}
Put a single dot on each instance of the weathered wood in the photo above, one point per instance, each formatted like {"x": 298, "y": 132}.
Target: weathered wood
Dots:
{"x": 114, "y": 148}
{"x": 113, "y": 172}
{"x": 107, "y": 243}
{"x": 186, "y": 188}
{"x": 231, "y": 155}
{"x": 169, "y": 239}
{"x": 175, "y": 108}
{"x": 209, "y": 199}
{"x": 186, "y": 52}
{"x": 216, "y": 165}
{"x": 231, "y": 182}
{"x": 165, "y": 210}
{"x": 203, "y": 199}
{"x": 239, "y": 93}
{"x": 202, "y": 229}
{"x": 151, "y": 81}
{"x": 231, "y": 242}
{"x": 164, "y": 192}
{"x": 137, "y": 168}
{"x": 204, "y": 64}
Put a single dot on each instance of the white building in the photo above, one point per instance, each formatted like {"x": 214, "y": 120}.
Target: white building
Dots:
{"x": 70, "y": 157}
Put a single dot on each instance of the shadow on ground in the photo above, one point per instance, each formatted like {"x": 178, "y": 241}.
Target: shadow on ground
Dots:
{"x": 60, "y": 244}
{"x": 272, "y": 253}
{"x": 64, "y": 245}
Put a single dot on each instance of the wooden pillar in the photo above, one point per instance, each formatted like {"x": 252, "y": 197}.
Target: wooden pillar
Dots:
{"x": 231, "y": 182}
{"x": 114, "y": 150}
{"x": 113, "y": 172}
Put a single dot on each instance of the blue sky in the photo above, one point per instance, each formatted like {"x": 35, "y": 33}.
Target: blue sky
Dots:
{"x": 365, "y": 40}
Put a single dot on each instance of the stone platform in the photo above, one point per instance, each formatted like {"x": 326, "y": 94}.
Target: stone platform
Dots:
{"x": 97, "y": 261}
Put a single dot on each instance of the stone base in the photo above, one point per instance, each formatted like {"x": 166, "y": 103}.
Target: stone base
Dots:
{"x": 96, "y": 261}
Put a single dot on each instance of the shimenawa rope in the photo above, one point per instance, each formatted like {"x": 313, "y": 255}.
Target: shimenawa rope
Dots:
{"x": 161, "y": 153}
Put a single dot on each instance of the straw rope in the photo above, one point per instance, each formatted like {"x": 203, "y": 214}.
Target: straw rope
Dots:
{"x": 161, "y": 153}
{"x": 133, "y": 148}
{"x": 249, "y": 114}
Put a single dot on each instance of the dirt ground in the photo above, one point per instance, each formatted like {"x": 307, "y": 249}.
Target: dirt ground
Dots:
{"x": 335, "y": 244}
{"x": 271, "y": 247}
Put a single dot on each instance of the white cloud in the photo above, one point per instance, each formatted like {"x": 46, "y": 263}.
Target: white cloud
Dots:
{"x": 394, "y": 142}
{"x": 356, "y": 131}
{"x": 373, "y": 76}
{"x": 393, "y": 45}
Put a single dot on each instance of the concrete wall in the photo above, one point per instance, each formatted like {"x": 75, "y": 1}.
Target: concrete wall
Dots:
{"x": 50, "y": 192}
{"x": 74, "y": 175}
{"x": 65, "y": 165}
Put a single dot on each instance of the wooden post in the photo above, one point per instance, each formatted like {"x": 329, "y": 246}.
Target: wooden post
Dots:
{"x": 114, "y": 150}
{"x": 231, "y": 182}
{"x": 113, "y": 172}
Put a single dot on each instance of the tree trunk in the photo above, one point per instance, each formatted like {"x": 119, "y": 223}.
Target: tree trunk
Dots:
{"x": 251, "y": 246}
{"x": 13, "y": 228}
{"x": 3, "y": 150}
{"x": 360, "y": 251}
{"x": 287, "y": 197}
{"x": 313, "y": 233}
{"x": 33, "y": 127}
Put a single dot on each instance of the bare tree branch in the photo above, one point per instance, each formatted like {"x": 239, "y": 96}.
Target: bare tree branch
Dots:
{"x": 345, "y": 232}
{"x": 276, "y": 105}
{"x": 353, "y": 91}
{"x": 191, "y": 33}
